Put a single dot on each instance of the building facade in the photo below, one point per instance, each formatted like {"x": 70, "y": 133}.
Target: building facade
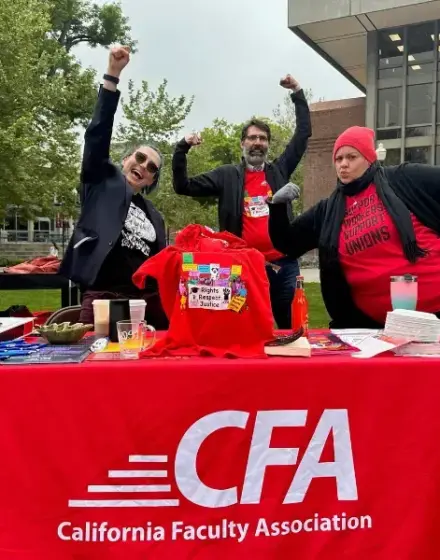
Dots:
{"x": 390, "y": 49}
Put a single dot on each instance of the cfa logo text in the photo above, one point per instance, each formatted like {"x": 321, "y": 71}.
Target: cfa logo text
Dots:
{"x": 262, "y": 455}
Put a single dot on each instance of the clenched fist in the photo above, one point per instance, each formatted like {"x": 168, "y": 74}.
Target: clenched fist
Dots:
{"x": 193, "y": 139}
{"x": 289, "y": 82}
{"x": 118, "y": 59}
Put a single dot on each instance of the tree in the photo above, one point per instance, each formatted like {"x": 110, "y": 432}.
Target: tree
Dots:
{"x": 73, "y": 22}
{"x": 38, "y": 151}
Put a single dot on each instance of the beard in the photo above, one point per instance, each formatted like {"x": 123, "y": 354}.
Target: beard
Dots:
{"x": 255, "y": 156}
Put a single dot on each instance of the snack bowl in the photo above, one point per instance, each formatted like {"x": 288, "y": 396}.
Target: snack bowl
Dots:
{"x": 63, "y": 333}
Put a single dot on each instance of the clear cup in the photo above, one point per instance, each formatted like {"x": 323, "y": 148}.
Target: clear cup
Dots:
{"x": 404, "y": 292}
{"x": 101, "y": 316}
{"x": 137, "y": 310}
{"x": 134, "y": 337}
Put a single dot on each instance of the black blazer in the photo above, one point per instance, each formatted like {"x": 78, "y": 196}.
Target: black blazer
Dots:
{"x": 105, "y": 200}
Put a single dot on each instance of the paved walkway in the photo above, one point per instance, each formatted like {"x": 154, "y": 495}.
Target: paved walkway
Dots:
{"x": 310, "y": 274}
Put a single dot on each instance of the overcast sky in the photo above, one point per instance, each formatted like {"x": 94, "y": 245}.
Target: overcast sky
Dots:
{"x": 229, "y": 54}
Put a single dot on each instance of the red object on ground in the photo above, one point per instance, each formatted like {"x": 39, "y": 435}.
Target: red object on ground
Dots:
{"x": 40, "y": 265}
{"x": 63, "y": 428}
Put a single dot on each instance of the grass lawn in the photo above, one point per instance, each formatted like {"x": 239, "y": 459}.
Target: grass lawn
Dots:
{"x": 50, "y": 300}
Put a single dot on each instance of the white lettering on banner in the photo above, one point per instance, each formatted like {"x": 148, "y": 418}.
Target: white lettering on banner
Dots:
{"x": 209, "y": 297}
{"x": 262, "y": 455}
{"x": 94, "y": 532}
{"x": 333, "y": 423}
{"x": 187, "y": 478}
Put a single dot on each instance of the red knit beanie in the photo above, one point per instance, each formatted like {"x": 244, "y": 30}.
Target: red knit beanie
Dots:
{"x": 360, "y": 138}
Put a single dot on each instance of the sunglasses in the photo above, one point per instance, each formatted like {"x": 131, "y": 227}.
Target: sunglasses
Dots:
{"x": 141, "y": 158}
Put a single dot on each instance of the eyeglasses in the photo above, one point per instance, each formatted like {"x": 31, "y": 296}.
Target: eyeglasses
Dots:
{"x": 255, "y": 137}
{"x": 141, "y": 158}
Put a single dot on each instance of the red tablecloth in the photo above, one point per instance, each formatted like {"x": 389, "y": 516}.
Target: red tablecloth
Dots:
{"x": 358, "y": 469}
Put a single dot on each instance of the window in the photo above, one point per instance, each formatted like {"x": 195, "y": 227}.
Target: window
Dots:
{"x": 393, "y": 157}
{"x": 419, "y": 104}
{"x": 389, "y": 133}
{"x": 438, "y": 101}
{"x": 421, "y": 53}
{"x": 390, "y": 48}
{"x": 389, "y": 108}
{"x": 418, "y": 155}
{"x": 437, "y": 155}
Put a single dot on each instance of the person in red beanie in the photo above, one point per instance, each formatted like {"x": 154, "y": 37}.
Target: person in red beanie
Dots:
{"x": 378, "y": 222}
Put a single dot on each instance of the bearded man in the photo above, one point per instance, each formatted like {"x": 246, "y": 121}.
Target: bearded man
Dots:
{"x": 242, "y": 191}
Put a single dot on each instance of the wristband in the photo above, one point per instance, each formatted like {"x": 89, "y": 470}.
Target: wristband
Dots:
{"x": 112, "y": 79}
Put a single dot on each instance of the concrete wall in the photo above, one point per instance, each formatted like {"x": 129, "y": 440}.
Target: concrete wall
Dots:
{"x": 302, "y": 12}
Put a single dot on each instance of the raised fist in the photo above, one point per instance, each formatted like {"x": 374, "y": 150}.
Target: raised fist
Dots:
{"x": 288, "y": 193}
{"x": 118, "y": 59}
{"x": 193, "y": 139}
{"x": 289, "y": 82}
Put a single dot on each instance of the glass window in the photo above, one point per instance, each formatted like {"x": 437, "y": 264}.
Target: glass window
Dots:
{"x": 438, "y": 100}
{"x": 389, "y": 107}
{"x": 418, "y": 155}
{"x": 417, "y": 131}
{"x": 390, "y": 48}
{"x": 389, "y": 133}
{"x": 393, "y": 157}
{"x": 419, "y": 104}
{"x": 421, "y": 43}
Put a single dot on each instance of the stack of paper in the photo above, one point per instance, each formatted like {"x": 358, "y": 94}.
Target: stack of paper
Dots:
{"x": 414, "y": 325}
{"x": 420, "y": 349}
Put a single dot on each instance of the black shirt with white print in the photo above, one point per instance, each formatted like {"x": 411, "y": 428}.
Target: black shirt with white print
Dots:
{"x": 135, "y": 244}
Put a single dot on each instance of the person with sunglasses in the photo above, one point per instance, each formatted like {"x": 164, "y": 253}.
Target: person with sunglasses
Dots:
{"x": 118, "y": 228}
{"x": 242, "y": 191}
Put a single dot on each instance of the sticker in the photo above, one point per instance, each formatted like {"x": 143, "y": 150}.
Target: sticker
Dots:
{"x": 209, "y": 297}
{"x": 225, "y": 272}
{"x": 189, "y": 267}
{"x": 204, "y": 269}
{"x": 214, "y": 270}
{"x": 188, "y": 258}
{"x": 194, "y": 274}
{"x": 258, "y": 210}
{"x": 236, "y": 270}
{"x": 236, "y": 304}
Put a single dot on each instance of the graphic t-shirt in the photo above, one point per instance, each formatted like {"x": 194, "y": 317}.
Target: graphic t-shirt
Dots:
{"x": 370, "y": 251}
{"x": 256, "y": 214}
{"x": 133, "y": 247}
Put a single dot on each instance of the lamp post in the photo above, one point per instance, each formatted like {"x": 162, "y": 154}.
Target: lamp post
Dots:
{"x": 381, "y": 153}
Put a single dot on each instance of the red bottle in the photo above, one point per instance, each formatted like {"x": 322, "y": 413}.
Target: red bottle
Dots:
{"x": 300, "y": 307}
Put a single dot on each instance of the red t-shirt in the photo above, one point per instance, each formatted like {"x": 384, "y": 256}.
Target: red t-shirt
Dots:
{"x": 370, "y": 251}
{"x": 256, "y": 215}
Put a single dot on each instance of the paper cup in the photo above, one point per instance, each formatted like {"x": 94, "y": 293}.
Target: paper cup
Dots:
{"x": 137, "y": 310}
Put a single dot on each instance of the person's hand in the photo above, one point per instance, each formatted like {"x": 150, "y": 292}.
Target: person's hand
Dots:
{"x": 289, "y": 82}
{"x": 193, "y": 139}
{"x": 118, "y": 59}
{"x": 288, "y": 193}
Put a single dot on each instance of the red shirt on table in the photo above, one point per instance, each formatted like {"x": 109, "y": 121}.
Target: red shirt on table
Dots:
{"x": 370, "y": 252}
{"x": 256, "y": 215}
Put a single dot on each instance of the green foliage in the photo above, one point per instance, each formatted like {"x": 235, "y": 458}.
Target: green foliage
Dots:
{"x": 44, "y": 94}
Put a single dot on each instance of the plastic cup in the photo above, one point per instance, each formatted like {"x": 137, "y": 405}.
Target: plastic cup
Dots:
{"x": 134, "y": 337}
{"x": 137, "y": 310}
{"x": 101, "y": 316}
{"x": 404, "y": 292}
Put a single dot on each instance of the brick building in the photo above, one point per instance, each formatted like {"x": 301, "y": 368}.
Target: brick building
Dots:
{"x": 329, "y": 119}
